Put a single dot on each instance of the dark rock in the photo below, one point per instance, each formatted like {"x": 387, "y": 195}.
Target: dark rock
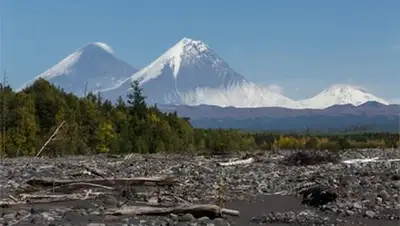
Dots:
{"x": 110, "y": 201}
{"x": 204, "y": 220}
{"x": 174, "y": 217}
{"x": 220, "y": 222}
{"x": 318, "y": 196}
{"x": 395, "y": 177}
{"x": 70, "y": 215}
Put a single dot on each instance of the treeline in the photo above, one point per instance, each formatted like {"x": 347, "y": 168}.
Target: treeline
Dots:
{"x": 89, "y": 125}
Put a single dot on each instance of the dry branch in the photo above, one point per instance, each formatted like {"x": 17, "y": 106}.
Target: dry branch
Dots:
{"x": 211, "y": 211}
{"x": 51, "y": 138}
{"x": 58, "y": 198}
{"x": 143, "y": 181}
{"x": 53, "y": 197}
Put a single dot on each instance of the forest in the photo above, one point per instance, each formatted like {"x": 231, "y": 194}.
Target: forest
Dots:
{"x": 43, "y": 118}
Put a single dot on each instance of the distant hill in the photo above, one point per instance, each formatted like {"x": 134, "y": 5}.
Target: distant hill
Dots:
{"x": 370, "y": 116}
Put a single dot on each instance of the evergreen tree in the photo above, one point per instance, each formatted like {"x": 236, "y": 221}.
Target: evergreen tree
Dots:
{"x": 136, "y": 100}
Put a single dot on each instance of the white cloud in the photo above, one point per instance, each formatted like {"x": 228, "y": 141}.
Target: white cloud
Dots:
{"x": 275, "y": 88}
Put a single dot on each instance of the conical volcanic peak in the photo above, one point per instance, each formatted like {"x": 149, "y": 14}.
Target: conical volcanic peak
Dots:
{"x": 92, "y": 68}
{"x": 191, "y": 73}
{"x": 186, "y": 53}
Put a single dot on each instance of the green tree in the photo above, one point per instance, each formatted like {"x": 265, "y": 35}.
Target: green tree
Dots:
{"x": 136, "y": 100}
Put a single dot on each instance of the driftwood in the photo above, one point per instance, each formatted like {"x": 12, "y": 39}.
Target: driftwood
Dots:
{"x": 95, "y": 171}
{"x": 76, "y": 186}
{"x": 62, "y": 197}
{"x": 211, "y": 211}
{"x": 237, "y": 162}
{"x": 89, "y": 171}
{"x": 21, "y": 219}
{"x": 52, "y": 198}
{"x": 143, "y": 181}
{"x": 47, "y": 198}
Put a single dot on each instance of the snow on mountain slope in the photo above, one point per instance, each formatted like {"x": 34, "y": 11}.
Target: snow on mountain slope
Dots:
{"x": 246, "y": 94}
{"x": 92, "y": 68}
{"x": 340, "y": 94}
{"x": 191, "y": 73}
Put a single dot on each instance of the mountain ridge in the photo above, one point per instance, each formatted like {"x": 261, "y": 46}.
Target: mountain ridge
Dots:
{"x": 370, "y": 116}
{"x": 188, "y": 73}
{"x": 371, "y": 108}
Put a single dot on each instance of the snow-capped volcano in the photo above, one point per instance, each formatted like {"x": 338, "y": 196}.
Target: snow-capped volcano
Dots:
{"x": 191, "y": 73}
{"x": 191, "y": 64}
{"x": 93, "y": 68}
{"x": 340, "y": 94}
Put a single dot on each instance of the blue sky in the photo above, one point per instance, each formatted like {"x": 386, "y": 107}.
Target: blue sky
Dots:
{"x": 302, "y": 46}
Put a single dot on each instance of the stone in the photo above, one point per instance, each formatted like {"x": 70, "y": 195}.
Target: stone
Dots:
{"x": 357, "y": 205}
{"x": 174, "y": 217}
{"x": 370, "y": 214}
{"x": 384, "y": 195}
{"x": 187, "y": 218}
{"x": 349, "y": 212}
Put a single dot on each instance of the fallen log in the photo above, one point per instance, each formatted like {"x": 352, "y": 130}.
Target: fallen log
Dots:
{"x": 211, "y": 211}
{"x": 45, "y": 199}
{"x": 237, "y": 162}
{"x": 68, "y": 188}
{"x": 143, "y": 181}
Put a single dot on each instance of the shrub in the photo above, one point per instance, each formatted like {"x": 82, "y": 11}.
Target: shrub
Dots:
{"x": 303, "y": 158}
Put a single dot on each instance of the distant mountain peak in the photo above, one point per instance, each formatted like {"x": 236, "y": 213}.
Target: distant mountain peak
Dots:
{"x": 187, "y": 47}
{"x": 92, "y": 68}
{"x": 191, "y": 73}
{"x": 186, "y": 52}
{"x": 91, "y": 50}
{"x": 345, "y": 87}
{"x": 99, "y": 45}
{"x": 341, "y": 94}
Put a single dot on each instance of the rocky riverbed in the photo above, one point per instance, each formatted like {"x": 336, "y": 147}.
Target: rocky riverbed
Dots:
{"x": 266, "y": 188}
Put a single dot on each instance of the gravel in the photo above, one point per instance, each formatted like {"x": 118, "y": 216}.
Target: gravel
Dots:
{"x": 266, "y": 191}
